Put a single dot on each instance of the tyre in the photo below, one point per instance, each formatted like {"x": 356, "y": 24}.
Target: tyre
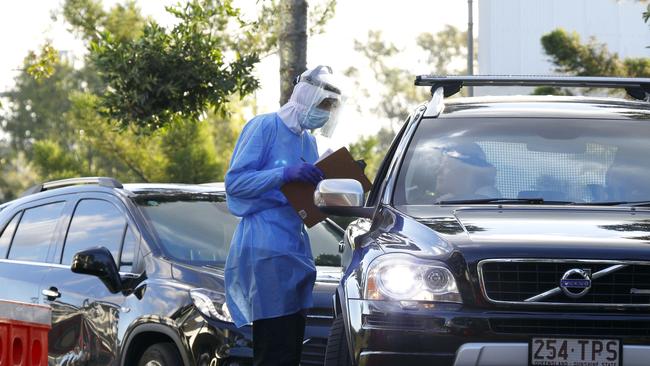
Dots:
{"x": 160, "y": 354}
{"x": 337, "y": 352}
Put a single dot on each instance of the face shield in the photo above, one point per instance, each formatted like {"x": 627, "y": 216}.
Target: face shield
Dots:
{"x": 319, "y": 91}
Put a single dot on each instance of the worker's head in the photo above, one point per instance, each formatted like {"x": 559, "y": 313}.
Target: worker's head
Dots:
{"x": 319, "y": 95}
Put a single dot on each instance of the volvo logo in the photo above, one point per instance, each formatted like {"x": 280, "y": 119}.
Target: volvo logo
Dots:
{"x": 576, "y": 282}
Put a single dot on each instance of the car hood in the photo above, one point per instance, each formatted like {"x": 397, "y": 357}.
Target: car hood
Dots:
{"x": 500, "y": 232}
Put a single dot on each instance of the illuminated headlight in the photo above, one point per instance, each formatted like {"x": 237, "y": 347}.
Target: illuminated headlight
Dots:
{"x": 211, "y": 304}
{"x": 405, "y": 278}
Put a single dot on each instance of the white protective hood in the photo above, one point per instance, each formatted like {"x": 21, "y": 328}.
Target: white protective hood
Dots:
{"x": 304, "y": 97}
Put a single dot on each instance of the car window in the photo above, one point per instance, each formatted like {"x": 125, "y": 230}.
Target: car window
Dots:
{"x": 35, "y": 232}
{"x": 94, "y": 223}
{"x": 198, "y": 229}
{"x": 324, "y": 239}
{"x": 7, "y": 234}
{"x": 193, "y": 228}
{"x": 582, "y": 161}
{"x": 128, "y": 250}
{"x": 373, "y": 196}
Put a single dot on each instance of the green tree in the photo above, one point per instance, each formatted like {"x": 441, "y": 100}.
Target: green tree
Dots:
{"x": 51, "y": 134}
{"x": 41, "y": 65}
{"x": 190, "y": 152}
{"x": 36, "y": 108}
{"x": 444, "y": 48}
{"x": 396, "y": 96}
{"x": 87, "y": 18}
{"x": 60, "y": 125}
{"x": 261, "y": 34}
{"x": 16, "y": 174}
{"x": 110, "y": 150}
{"x": 53, "y": 162}
{"x": 570, "y": 55}
{"x": 366, "y": 148}
{"x": 163, "y": 74}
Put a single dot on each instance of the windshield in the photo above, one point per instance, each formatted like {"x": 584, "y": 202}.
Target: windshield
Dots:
{"x": 558, "y": 160}
{"x": 197, "y": 229}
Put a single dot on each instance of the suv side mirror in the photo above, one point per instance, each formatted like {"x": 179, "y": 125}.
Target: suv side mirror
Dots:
{"x": 98, "y": 262}
{"x": 341, "y": 197}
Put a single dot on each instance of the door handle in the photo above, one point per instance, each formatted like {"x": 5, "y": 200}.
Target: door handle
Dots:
{"x": 341, "y": 246}
{"x": 51, "y": 293}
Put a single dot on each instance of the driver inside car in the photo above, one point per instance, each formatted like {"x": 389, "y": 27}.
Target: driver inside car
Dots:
{"x": 464, "y": 174}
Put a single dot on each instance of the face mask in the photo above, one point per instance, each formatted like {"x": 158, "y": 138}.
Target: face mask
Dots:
{"x": 315, "y": 118}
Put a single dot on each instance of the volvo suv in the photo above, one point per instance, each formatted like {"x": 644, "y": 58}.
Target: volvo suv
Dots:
{"x": 501, "y": 231}
{"x": 133, "y": 273}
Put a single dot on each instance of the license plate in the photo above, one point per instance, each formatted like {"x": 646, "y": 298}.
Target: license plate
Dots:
{"x": 575, "y": 352}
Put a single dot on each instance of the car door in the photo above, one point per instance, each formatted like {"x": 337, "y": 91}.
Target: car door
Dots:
{"x": 26, "y": 242}
{"x": 85, "y": 313}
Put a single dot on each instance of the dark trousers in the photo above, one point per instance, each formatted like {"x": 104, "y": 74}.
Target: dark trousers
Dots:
{"x": 278, "y": 341}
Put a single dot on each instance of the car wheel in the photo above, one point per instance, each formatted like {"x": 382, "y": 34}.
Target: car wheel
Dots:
{"x": 337, "y": 353}
{"x": 160, "y": 354}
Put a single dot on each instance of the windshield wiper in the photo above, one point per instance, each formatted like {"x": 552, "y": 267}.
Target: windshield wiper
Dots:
{"x": 529, "y": 201}
{"x": 640, "y": 204}
{"x": 604, "y": 203}
{"x": 615, "y": 203}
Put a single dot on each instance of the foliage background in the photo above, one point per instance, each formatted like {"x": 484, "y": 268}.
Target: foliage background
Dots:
{"x": 143, "y": 106}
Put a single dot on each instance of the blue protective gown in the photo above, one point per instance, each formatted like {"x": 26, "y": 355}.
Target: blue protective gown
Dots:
{"x": 270, "y": 271}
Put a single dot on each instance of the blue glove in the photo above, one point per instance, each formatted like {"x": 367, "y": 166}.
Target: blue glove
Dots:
{"x": 303, "y": 172}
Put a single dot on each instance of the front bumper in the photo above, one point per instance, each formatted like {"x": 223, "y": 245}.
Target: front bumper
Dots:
{"x": 389, "y": 333}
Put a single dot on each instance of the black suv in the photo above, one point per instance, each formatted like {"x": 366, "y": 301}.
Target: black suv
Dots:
{"x": 133, "y": 273}
{"x": 501, "y": 231}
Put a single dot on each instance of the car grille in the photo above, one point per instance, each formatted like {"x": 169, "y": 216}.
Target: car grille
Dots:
{"x": 572, "y": 327}
{"x": 313, "y": 352}
{"x": 514, "y": 281}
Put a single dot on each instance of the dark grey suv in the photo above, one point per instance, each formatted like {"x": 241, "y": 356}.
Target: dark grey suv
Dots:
{"x": 501, "y": 231}
{"x": 133, "y": 273}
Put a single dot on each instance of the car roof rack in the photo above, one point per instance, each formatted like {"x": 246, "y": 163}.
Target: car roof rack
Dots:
{"x": 637, "y": 88}
{"x": 101, "y": 181}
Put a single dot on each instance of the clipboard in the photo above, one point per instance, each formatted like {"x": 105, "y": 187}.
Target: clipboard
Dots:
{"x": 337, "y": 165}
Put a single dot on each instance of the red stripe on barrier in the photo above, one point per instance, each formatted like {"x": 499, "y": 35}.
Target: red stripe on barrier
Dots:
{"x": 18, "y": 343}
{"x": 38, "y": 343}
{"x": 24, "y": 343}
{"x": 4, "y": 348}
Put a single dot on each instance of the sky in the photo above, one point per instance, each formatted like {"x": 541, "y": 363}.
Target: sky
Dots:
{"x": 26, "y": 24}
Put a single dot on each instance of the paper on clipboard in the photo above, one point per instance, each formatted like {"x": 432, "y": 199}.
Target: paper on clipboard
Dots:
{"x": 324, "y": 155}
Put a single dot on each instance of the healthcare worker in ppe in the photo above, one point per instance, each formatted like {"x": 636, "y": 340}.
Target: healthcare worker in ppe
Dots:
{"x": 270, "y": 271}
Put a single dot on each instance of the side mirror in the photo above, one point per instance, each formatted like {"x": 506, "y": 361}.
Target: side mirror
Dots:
{"x": 341, "y": 197}
{"x": 98, "y": 262}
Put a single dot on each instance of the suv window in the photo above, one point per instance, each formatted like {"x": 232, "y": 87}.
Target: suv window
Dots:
{"x": 7, "y": 234}
{"x": 570, "y": 160}
{"x": 94, "y": 223}
{"x": 128, "y": 250}
{"x": 35, "y": 232}
{"x": 198, "y": 228}
{"x": 323, "y": 239}
{"x": 193, "y": 228}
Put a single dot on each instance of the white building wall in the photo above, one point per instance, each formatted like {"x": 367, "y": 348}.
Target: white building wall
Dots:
{"x": 510, "y": 32}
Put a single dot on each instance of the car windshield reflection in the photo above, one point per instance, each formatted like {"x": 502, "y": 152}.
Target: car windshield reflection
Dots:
{"x": 197, "y": 229}
{"x": 534, "y": 161}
